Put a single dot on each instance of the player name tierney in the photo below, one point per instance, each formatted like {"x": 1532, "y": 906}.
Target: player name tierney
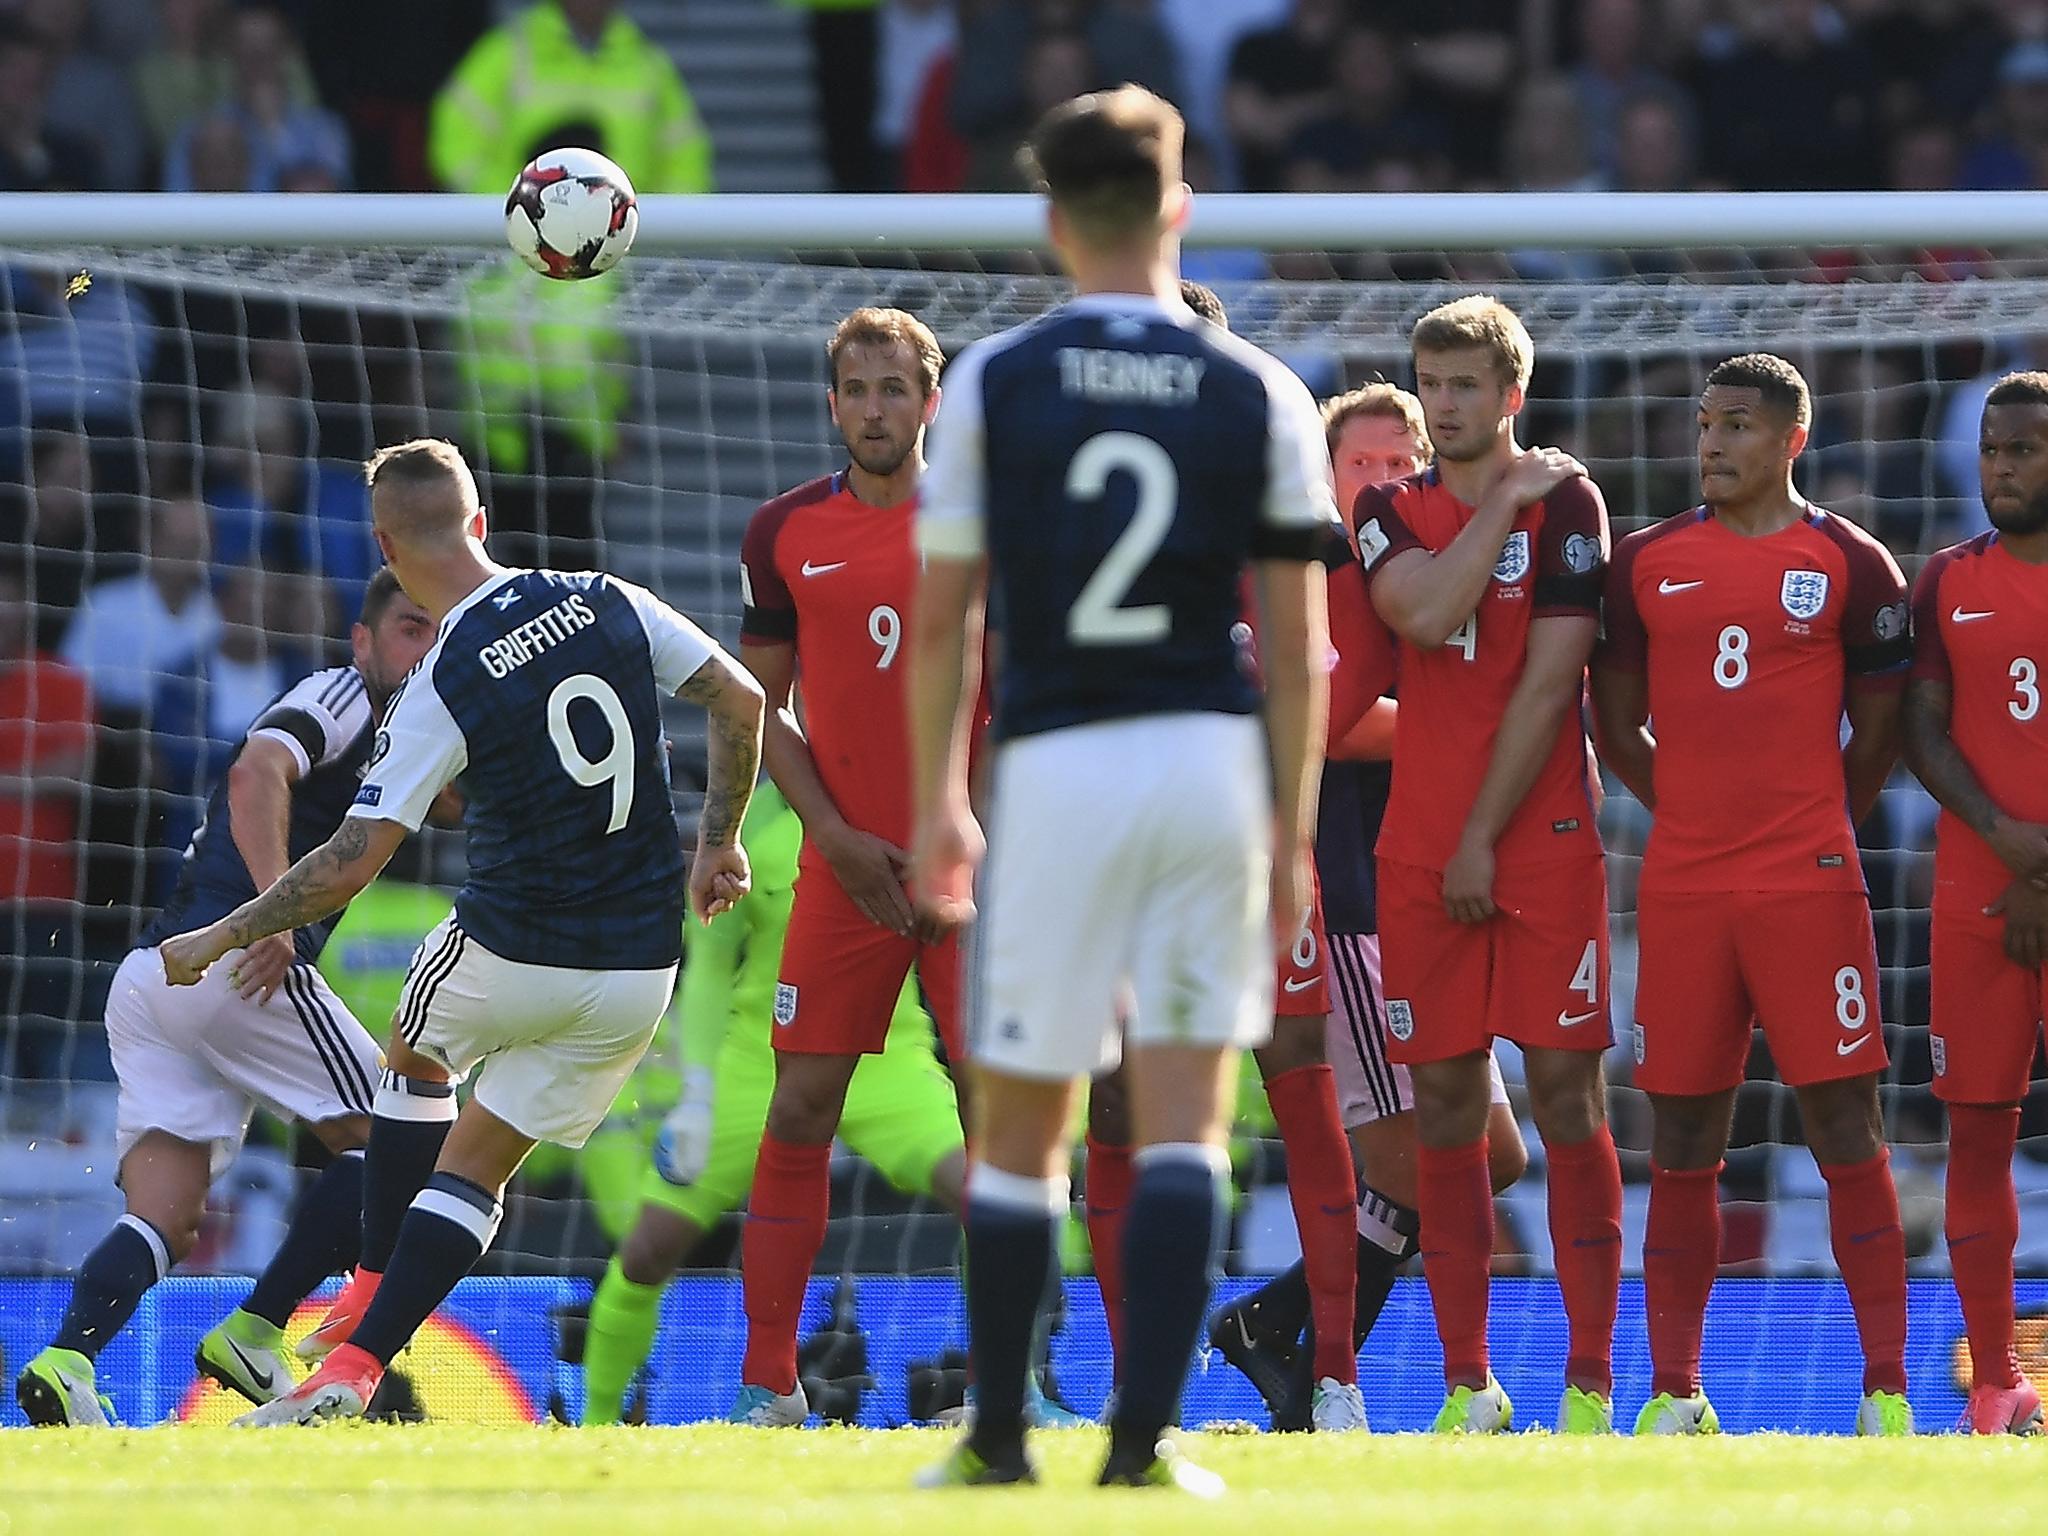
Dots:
{"x": 1158, "y": 378}
{"x": 508, "y": 653}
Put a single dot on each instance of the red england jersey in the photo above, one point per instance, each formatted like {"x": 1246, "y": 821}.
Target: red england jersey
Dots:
{"x": 1980, "y": 625}
{"x": 1453, "y": 697}
{"x": 822, "y": 569}
{"x": 1361, "y": 660}
{"x": 1749, "y": 646}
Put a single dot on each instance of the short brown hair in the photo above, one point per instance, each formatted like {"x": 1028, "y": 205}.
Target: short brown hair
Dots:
{"x": 1377, "y": 399}
{"x": 379, "y": 595}
{"x": 875, "y": 327}
{"x": 2029, "y": 388}
{"x": 1204, "y": 301}
{"x": 1108, "y": 160}
{"x": 1479, "y": 321}
{"x": 1782, "y": 386}
{"x": 415, "y": 470}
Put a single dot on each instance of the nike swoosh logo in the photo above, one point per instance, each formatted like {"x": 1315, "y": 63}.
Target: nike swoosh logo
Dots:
{"x": 1846, "y": 1047}
{"x": 261, "y": 1378}
{"x": 1573, "y": 1020}
{"x": 1667, "y": 587}
{"x": 1965, "y": 616}
{"x": 819, "y": 570}
{"x": 1298, "y": 984}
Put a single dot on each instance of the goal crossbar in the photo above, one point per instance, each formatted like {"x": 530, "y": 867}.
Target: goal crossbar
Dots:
{"x": 999, "y": 221}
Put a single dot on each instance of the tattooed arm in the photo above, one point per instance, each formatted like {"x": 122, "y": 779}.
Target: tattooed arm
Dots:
{"x": 1932, "y": 754}
{"x": 324, "y": 881}
{"x": 733, "y": 708}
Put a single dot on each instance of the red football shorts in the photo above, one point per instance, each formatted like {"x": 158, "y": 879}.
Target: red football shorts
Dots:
{"x": 1534, "y": 973}
{"x": 1986, "y": 1013}
{"x": 841, "y": 975}
{"x": 1803, "y": 964}
{"x": 1303, "y": 988}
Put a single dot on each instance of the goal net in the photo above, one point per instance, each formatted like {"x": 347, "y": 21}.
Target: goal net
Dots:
{"x": 180, "y": 427}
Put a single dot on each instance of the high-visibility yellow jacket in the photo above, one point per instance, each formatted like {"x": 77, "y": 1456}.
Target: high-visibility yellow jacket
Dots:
{"x": 532, "y": 75}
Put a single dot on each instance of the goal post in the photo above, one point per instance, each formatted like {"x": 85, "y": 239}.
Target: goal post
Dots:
{"x": 251, "y": 350}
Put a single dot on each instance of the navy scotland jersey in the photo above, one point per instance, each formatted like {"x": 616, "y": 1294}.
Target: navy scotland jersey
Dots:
{"x": 326, "y": 723}
{"x": 543, "y": 693}
{"x": 1119, "y": 461}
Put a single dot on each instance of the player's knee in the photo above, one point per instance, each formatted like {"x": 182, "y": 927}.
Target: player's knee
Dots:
{"x": 1451, "y": 1100}
{"x": 1109, "y": 1110}
{"x": 1843, "y": 1121}
{"x": 344, "y": 1133}
{"x": 810, "y": 1092}
{"x": 1296, "y": 1043}
{"x": 1687, "y": 1133}
{"x": 652, "y": 1252}
{"x": 1567, "y": 1094}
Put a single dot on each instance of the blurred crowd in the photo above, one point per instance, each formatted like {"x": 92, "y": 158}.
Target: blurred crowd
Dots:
{"x": 183, "y": 525}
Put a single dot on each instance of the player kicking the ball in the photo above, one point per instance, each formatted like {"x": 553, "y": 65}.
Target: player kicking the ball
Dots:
{"x": 264, "y": 1030}
{"x": 1492, "y": 894}
{"x": 827, "y": 574}
{"x": 1112, "y": 470}
{"x": 1740, "y": 628}
{"x": 1977, "y": 737}
{"x": 543, "y": 691}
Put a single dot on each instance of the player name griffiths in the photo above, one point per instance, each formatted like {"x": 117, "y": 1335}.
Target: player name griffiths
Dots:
{"x": 1158, "y": 378}
{"x": 505, "y": 655}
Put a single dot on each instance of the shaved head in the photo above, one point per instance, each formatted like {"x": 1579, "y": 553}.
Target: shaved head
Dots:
{"x": 422, "y": 495}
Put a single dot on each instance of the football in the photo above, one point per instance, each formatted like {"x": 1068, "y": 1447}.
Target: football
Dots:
{"x": 571, "y": 214}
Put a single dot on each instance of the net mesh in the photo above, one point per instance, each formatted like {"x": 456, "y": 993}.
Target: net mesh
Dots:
{"x": 636, "y": 423}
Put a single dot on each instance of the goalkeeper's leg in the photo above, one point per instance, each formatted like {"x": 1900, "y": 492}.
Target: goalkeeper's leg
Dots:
{"x": 625, "y": 1312}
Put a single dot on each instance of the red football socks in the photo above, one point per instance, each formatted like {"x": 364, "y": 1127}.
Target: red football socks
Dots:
{"x": 1324, "y": 1191}
{"x": 1454, "y": 1197}
{"x": 1681, "y": 1254}
{"x": 1107, "y": 1201}
{"x": 1983, "y": 1228}
{"x": 1585, "y": 1239}
{"x": 1870, "y": 1251}
{"x": 784, "y": 1230}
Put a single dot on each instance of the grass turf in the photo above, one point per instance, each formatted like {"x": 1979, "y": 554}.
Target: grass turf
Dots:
{"x": 450, "y": 1481}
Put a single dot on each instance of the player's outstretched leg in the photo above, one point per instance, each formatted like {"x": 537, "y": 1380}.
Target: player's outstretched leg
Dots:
{"x": 165, "y": 1179}
{"x": 246, "y": 1351}
{"x": 409, "y": 1122}
{"x": 1983, "y": 1222}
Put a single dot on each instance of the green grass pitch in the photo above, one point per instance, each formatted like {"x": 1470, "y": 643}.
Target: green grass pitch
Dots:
{"x": 425, "y": 1480}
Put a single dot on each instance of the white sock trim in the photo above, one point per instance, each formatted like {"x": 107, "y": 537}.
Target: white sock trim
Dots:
{"x": 159, "y": 1251}
{"x": 354, "y": 1152}
{"x": 1015, "y": 1192}
{"x": 395, "y": 1104}
{"x": 478, "y": 1223}
{"x": 1376, "y": 1223}
{"x": 1196, "y": 1153}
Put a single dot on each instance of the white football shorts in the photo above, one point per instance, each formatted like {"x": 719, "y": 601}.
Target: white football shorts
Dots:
{"x": 1127, "y": 877}
{"x": 555, "y": 1045}
{"x": 194, "y": 1061}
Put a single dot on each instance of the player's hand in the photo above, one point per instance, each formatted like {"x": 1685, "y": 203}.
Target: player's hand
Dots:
{"x": 948, "y": 850}
{"x": 1292, "y": 893}
{"x": 1536, "y": 474}
{"x": 2025, "y": 910}
{"x": 719, "y": 877}
{"x": 682, "y": 1150}
{"x": 1468, "y": 884}
{"x": 261, "y": 970}
{"x": 186, "y": 956}
{"x": 870, "y": 870}
{"x": 2022, "y": 846}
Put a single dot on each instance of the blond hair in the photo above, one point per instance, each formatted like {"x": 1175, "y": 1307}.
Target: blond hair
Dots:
{"x": 1481, "y": 322}
{"x": 1377, "y": 399}
{"x": 430, "y": 492}
{"x": 871, "y": 326}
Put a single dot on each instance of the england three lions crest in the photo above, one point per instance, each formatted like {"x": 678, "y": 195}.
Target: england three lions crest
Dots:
{"x": 1513, "y": 563}
{"x": 1804, "y": 593}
